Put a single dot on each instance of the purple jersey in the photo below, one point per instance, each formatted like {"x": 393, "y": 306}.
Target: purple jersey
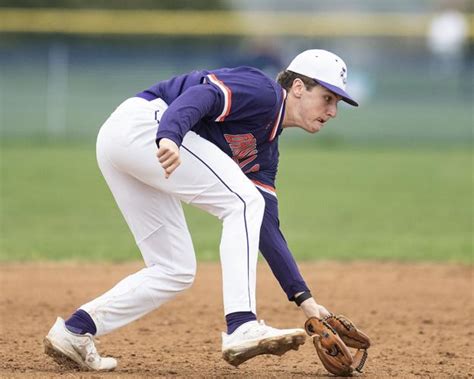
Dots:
{"x": 241, "y": 111}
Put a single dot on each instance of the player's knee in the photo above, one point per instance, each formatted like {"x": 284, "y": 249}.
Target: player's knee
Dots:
{"x": 185, "y": 276}
{"x": 250, "y": 203}
{"x": 183, "y": 271}
{"x": 185, "y": 280}
{"x": 256, "y": 203}
{"x": 178, "y": 278}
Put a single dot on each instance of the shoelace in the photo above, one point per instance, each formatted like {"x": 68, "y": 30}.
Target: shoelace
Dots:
{"x": 258, "y": 332}
{"x": 89, "y": 346}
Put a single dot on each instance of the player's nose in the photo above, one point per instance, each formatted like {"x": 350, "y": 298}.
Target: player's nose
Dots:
{"x": 332, "y": 110}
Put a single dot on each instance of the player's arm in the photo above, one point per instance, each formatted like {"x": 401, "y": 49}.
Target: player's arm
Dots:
{"x": 194, "y": 104}
{"x": 276, "y": 252}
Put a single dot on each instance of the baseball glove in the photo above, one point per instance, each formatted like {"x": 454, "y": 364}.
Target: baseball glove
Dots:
{"x": 332, "y": 352}
{"x": 332, "y": 336}
{"x": 351, "y": 336}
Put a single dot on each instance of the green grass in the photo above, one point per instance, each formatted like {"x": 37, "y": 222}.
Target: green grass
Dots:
{"x": 395, "y": 204}
{"x": 335, "y": 203}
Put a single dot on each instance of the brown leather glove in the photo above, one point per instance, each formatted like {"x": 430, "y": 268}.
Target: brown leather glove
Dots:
{"x": 333, "y": 353}
{"x": 334, "y": 334}
{"x": 352, "y": 337}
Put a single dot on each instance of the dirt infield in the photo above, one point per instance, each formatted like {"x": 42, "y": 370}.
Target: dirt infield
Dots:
{"x": 420, "y": 318}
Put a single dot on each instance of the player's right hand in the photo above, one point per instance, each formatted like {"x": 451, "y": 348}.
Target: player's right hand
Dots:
{"x": 168, "y": 156}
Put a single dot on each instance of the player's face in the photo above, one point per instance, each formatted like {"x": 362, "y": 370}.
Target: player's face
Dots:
{"x": 316, "y": 107}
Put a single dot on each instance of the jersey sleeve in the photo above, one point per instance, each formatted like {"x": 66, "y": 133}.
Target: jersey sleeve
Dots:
{"x": 276, "y": 252}
{"x": 186, "y": 110}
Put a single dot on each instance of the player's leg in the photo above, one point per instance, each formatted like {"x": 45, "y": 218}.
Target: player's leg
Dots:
{"x": 158, "y": 225}
{"x": 157, "y": 222}
{"x": 126, "y": 158}
{"x": 236, "y": 201}
{"x": 229, "y": 195}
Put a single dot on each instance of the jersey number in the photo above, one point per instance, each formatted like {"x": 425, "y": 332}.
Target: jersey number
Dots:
{"x": 244, "y": 150}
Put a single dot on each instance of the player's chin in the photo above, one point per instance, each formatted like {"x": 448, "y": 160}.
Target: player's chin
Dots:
{"x": 314, "y": 128}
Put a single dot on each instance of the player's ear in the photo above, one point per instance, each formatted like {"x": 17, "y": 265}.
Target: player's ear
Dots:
{"x": 297, "y": 87}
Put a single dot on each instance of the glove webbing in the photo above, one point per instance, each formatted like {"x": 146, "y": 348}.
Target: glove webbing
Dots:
{"x": 359, "y": 360}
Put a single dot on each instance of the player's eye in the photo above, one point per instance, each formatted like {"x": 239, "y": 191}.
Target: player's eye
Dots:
{"x": 327, "y": 98}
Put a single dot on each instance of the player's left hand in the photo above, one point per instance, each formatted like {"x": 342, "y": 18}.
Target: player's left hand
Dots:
{"x": 168, "y": 156}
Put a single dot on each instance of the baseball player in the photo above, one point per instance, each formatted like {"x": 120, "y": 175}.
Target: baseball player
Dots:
{"x": 208, "y": 138}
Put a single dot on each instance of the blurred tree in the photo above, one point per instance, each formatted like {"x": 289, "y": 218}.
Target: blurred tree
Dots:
{"x": 117, "y": 4}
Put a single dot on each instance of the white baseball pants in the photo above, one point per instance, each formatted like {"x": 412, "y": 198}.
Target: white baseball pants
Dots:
{"x": 151, "y": 205}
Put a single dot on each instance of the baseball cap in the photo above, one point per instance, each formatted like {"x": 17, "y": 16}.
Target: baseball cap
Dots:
{"x": 326, "y": 68}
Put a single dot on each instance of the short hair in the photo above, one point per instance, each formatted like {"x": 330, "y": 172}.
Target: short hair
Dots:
{"x": 286, "y": 79}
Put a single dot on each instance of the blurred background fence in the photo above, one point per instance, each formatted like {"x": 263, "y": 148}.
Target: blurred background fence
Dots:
{"x": 66, "y": 65}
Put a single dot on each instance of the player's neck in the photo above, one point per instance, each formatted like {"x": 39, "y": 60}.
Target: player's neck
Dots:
{"x": 289, "y": 119}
